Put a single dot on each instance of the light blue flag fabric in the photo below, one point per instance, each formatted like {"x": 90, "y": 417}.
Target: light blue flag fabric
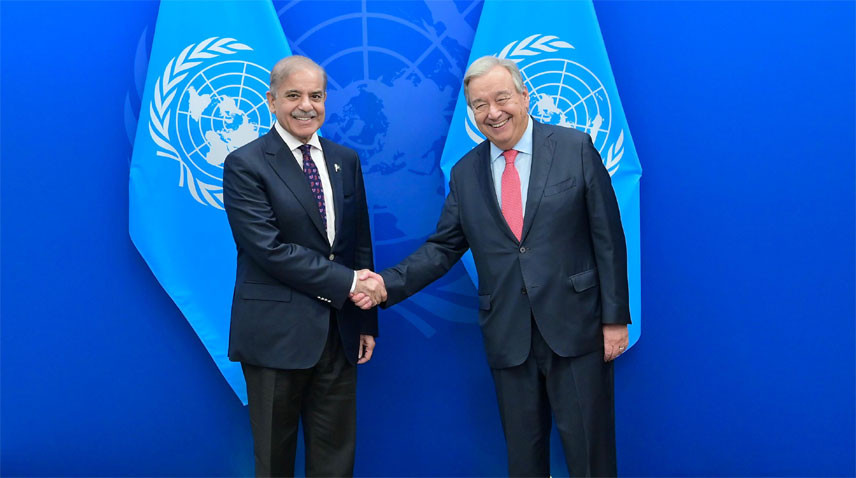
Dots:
{"x": 204, "y": 97}
{"x": 560, "y": 51}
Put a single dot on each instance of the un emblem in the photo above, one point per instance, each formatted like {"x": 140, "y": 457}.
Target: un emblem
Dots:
{"x": 204, "y": 109}
{"x": 563, "y": 92}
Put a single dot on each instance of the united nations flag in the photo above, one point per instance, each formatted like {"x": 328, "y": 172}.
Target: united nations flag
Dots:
{"x": 204, "y": 97}
{"x": 560, "y": 52}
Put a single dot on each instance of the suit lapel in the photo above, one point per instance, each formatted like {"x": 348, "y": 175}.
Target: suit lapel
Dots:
{"x": 485, "y": 174}
{"x": 334, "y": 171}
{"x": 281, "y": 160}
{"x": 543, "y": 148}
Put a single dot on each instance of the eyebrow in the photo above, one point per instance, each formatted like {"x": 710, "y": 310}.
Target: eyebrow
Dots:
{"x": 498, "y": 93}
{"x": 293, "y": 90}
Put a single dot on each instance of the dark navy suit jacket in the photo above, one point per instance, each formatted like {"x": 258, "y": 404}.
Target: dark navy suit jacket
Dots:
{"x": 289, "y": 277}
{"x": 569, "y": 271}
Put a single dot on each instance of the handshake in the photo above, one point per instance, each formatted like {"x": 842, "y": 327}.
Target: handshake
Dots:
{"x": 369, "y": 291}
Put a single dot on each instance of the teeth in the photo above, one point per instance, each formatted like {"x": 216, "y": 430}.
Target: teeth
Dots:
{"x": 499, "y": 125}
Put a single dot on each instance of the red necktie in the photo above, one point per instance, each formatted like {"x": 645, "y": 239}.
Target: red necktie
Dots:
{"x": 512, "y": 207}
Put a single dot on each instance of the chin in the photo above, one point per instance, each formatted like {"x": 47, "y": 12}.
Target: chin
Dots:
{"x": 499, "y": 142}
{"x": 497, "y": 139}
{"x": 304, "y": 132}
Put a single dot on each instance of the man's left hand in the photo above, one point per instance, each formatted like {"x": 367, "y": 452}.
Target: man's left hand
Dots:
{"x": 367, "y": 344}
{"x": 615, "y": 341}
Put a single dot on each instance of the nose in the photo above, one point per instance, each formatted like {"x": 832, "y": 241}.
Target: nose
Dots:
{"x": 494, "y": 112}
{"x": 305, "y": 104}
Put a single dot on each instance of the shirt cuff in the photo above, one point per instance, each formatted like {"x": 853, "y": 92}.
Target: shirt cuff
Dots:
{"x": 354, "y": 283}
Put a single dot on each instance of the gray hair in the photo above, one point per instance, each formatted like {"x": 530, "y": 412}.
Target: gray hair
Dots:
{"x": 484, "y": 64}
{"x": 289, "y": 65}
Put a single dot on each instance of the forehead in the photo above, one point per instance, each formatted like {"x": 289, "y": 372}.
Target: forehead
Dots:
{"x": 303, "y": 79}
{"x": 497, "y": 80}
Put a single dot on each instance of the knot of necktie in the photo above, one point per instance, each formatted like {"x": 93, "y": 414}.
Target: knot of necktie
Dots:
{"x": 510, "y": 155}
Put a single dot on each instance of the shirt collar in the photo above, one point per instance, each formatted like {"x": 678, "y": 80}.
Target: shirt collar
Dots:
{"x": 294, "y": 143}
{"x": 524, "y": 145}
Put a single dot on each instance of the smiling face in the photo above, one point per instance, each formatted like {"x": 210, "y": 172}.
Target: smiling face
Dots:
{"x": 500, "y": 111}
{"x": 299, "y": 102}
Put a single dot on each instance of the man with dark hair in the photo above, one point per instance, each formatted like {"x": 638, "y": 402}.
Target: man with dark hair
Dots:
{"x": 297, "y": 208}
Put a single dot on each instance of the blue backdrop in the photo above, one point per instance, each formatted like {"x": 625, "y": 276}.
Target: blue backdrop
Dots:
{"x": 743, "y": 117}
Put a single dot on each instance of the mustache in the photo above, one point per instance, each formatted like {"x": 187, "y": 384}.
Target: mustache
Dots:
{"x": 303, "y": 114}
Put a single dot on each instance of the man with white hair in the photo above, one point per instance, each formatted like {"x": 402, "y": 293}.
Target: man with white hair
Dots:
{"x": 536, "y": 207}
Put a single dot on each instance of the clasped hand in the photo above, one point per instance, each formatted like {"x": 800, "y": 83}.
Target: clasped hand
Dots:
{"x": 370, "y": 290}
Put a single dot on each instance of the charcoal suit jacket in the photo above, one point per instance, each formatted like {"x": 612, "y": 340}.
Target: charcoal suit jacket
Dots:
{"x": 568, "y": 271}
{"x": 289, "y": 277}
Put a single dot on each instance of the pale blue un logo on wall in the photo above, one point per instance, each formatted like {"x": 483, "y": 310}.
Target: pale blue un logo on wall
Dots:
{"x": 393, "y": 75}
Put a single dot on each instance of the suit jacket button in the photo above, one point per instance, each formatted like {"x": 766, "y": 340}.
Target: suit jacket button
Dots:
{"x": 523, "y": 290}
{"x": 332, "y": 256}
{"x": 522, "y": 250}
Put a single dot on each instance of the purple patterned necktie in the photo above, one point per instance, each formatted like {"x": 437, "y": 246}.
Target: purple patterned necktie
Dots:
{"x": 311, "y": 172}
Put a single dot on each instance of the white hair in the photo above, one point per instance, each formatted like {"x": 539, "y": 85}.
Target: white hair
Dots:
{"x": 484, "y": 64}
